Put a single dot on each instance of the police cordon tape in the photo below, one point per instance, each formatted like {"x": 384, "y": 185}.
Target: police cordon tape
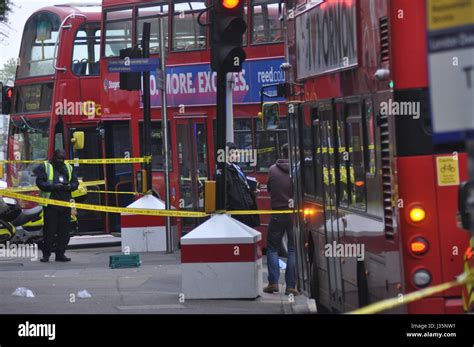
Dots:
{"x": 35, "y": 188}
{"x": 464, "y": 278}
{"x": 139, "y": 211}
{"x": 86, "y": 161}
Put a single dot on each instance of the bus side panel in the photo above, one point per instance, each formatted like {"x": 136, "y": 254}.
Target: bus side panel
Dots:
{"x": 416, "y": 183}
{"x": 453, "y": 240}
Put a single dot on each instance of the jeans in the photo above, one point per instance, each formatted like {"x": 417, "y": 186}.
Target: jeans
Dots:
{"x": 279, "y": 224}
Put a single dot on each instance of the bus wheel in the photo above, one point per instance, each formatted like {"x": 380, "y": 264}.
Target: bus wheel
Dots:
{"x": 362, "y": 284}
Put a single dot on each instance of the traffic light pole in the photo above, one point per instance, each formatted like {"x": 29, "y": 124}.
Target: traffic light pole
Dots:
{"x": 221, "y": 123}
{"x": 147, "y": 106}
{"x": 230, "y": 108}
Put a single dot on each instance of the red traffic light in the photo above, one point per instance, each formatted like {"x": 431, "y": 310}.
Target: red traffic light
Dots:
{"x": 10, "y": 93}
{"x": 230, "y": 4}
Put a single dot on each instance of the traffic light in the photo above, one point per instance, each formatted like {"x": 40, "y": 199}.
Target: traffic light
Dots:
{"x": 227, "y": 29}
{"x": 7, "y": 97}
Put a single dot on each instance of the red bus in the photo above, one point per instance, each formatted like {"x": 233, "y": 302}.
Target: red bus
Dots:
{"x": 380, "y": 195}
{"x": 191, "y": 96}
{"x": 56, "y": 93}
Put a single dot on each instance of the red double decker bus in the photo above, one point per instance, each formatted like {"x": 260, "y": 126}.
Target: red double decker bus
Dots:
{"x": 191, "y": 99}
{"x": 380, "y": 195}
{"x": 56, "y": 93}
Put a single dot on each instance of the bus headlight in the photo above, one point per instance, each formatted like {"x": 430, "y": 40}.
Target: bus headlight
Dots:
{"x": 417, "y": 214}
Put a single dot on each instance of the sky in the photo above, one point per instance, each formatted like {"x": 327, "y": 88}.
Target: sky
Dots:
{"x": 22, "y": 10}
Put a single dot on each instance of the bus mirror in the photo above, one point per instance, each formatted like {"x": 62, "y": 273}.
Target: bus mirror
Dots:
{"x": 271, "y": 115}
{"x": 464, "y": 219}
{"x": 78, "y": 139}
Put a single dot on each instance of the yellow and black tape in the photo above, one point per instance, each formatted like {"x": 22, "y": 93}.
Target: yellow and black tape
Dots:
{"x": 112, "y": 209}
{"x": 463, "y": 279}
{"x": 86, "y": 161}
{"x": 35, "y": 188}
{"x": 99, "y": 208}
{"x": 112, "y": 192}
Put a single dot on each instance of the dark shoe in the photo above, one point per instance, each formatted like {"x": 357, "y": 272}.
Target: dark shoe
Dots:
{"x": 63, "y": 258}
{"x": 271, "y": 288}
{"x": 44, "y": 259}
{"x": 293, "y": 291}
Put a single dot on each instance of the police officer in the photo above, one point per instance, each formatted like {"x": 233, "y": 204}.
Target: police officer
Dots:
{"x": 56, "y": 180}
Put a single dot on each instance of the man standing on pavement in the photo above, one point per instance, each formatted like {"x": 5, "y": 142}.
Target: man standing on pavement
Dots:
{"x": 56, "y": 180}
{"x": 280, "y": 187}
{"x": 241, "y": 195}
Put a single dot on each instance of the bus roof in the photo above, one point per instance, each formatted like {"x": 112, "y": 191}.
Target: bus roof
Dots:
{"x": 92, "y": 13}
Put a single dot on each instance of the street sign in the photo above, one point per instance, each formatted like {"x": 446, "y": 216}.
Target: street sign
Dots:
{"x": 451, "y": 68}
{"x": 134, "y": 65}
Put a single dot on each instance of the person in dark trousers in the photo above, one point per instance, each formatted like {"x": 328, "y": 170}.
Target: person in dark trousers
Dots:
{"x": 280, "y": 187}
{"x": 241, "y": 192}
{"x": 56, "y": 180}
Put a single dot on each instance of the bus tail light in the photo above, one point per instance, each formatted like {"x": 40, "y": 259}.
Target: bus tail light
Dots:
{"x": 422, "y": 278}
{"x": 419, "y": 246}
{"x": 417, "y": 214}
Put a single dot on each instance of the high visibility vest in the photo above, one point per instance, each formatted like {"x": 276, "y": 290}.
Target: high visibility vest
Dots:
{"x": 48, "y": 167}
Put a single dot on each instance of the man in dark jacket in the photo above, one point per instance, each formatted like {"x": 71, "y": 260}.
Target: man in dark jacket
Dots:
{"x": 240, "y": 192}
{"x": 280, "y": 187}
{"x": 56, "y": 180}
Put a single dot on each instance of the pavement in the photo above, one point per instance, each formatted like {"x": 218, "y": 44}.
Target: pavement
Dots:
{"x": 153, "y": 288}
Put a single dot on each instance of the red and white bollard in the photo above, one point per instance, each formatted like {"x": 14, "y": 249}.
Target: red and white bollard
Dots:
{"x": 221, "y": 259}
{"x": 146, "y": 233}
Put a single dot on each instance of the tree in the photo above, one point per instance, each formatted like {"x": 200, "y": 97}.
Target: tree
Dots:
{"x": 7, "y": 73}
{"x": 5, "y": 8}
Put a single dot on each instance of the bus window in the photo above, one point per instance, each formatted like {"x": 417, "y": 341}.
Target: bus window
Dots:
{"x": 343, "y": 156}
{"x": 38, "y": 45}
{"x": 34, "y": 98}
{"x": 356, "y": 157}
{"x": 28, "y": 140}
{"x": 85, "y": 58}
{"x": 157, "y": 145}
{"x": 369, "y": 120}
{"x": 58, "y": 136}
{"x": 318, "y": 160}
{"x": 309, "y": 187}
{"x": 187, "y": 33}
{"x": 266, "y": 26}
{"x": 269, "y": 143}
{"x": 151, "y": 14}
{"x": 118, "y": 31}
{"x": 243, "y": 140}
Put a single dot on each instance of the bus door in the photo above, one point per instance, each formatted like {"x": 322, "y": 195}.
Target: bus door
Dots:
{"x": 117, "y": 144}
{"x": 294, "y": 138}
{"x": 193, "y": 162}
{"x": 328, "y": 158}
{"x": 90, "y": 221}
